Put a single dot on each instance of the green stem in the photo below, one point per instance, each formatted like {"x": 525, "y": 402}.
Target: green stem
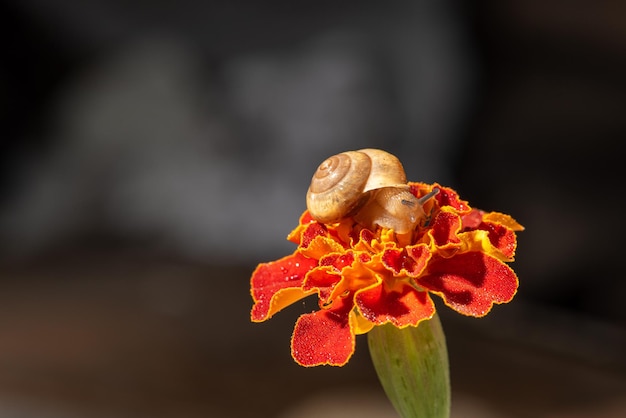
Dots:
{"x": 412, "y": 365}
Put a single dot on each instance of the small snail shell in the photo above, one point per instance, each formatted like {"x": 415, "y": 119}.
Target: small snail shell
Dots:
{"x": 369, "y": 185}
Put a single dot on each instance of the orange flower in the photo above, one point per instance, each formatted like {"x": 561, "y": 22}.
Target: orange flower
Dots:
{"x": 365, "y": 278}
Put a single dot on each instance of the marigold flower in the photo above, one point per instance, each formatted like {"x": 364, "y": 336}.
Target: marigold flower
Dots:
{"x": 367, "y": 277}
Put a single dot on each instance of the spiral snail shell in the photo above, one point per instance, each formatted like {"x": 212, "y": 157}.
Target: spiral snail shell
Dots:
{"x": 370, "y": 186}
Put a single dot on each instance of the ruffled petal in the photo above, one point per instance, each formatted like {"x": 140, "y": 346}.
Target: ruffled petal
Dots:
{"x": 479, "y": 240}
{"x": 324, "y": 337}
{"x": 409, "y": 261}
{"x": 445, "y": 227}
{"x": 448, "y": 197}
{"x": 402, "y": 307}
{"x": 472, "y": 219}
{"x": 295, "y": 236}
{"x": 312, "y": 231}
{"x": 322, "y": 280}
{"x": 278, "y": 284}
{"x": 319, "y": 246}
{"x": 501, "y": 237}
{"x": 325, "y": 278}
{"x": 500, "y": 227}
{"x": 503, "y": 219}
{"x": 471, "y": 282}
{"x": 360, "y": 324}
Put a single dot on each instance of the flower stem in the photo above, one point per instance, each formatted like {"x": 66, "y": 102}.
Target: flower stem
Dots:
{"x": 412, "y": 366}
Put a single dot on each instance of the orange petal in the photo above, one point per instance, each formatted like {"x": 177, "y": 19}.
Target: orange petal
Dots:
{"x": 480, "y": 240}
{"x": 296, "y": 235}
{"x": 359, "y": 323}
{"x": 324, "y": 279}
{"x": 320, "y": 246}
{"x": 503, "y": 219}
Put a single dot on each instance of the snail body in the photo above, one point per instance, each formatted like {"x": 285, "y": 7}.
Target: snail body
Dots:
{"x": 368, "y": 185}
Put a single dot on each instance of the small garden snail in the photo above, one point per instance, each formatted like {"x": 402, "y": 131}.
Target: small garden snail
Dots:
{"x": 368, "y": 185}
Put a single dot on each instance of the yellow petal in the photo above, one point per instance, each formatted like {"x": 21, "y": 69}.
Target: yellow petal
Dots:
{"x": 504, "y": 219}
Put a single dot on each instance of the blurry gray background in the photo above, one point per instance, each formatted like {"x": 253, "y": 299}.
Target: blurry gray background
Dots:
{"x": 153, "y": 153}
{"x": 198, "y": 125}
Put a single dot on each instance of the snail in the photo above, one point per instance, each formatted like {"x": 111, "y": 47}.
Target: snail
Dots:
{"x": 368, "y": 185}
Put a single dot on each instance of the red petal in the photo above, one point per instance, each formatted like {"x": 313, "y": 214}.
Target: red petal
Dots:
{"x": 306, "y": 218}
{"x": 445, "y": 227}
{"x": 322, "y": 280}
{"x": 409, "y": 261}
{"x": 325, "y": 278}
{"x": 419, "y": 189}
{"x": 338, "y": 261}
{"x": 366, "y": 236}
{"x": 501, "y": 237}
{"x": 324, "y": 337}
{"x": 448, "y": 197}
{"x": 405, "y": 307}
{"x": 471, "y": 282}
{"x": 312, "y": 230}
{"x": 472, "y": 219}
{"x": 270, "y": 278}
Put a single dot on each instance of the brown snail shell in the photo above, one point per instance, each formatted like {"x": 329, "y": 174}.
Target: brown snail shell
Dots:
{"x": 368, "y": 185}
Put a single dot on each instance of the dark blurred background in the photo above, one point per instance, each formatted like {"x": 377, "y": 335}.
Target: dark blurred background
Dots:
{"x": 153, "y": 153}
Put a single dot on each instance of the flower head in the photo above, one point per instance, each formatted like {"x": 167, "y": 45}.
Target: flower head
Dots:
{"x": 364, "y": 277}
